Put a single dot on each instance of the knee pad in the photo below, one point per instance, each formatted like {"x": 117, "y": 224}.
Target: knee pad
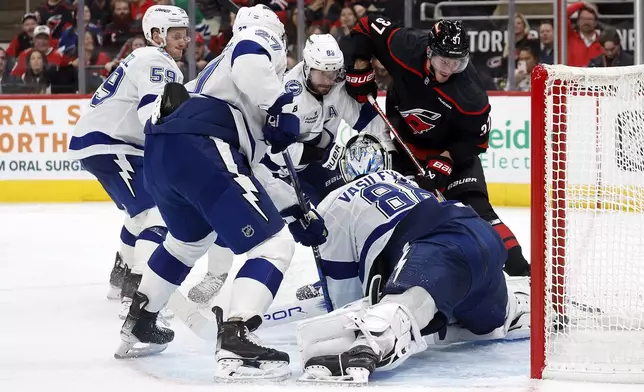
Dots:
{"x": 278, "y": 249}
{"x": 188, "y": 252}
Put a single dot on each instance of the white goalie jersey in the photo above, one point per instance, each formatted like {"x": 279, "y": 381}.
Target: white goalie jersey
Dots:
{"x": 322, "y": 117}
{"x": 118, "y": 110}
{"x": 360, "y": 218}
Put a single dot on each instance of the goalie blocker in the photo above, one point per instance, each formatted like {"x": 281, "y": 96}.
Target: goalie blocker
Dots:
{"x": 443, "y": 268}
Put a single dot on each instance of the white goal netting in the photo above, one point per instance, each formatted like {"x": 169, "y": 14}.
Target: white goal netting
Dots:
{"x": 594, "y": 161}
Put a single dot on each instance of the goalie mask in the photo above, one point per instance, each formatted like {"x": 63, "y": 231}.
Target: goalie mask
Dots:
{"x": 363, "y": 155}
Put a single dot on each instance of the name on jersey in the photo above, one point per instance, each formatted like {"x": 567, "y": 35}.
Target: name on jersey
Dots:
{"x": 366, "y": 181}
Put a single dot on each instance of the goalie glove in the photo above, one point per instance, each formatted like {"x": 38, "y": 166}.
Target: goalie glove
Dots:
{"x": 307, "y": 229}
{"x": 335, "y": 150}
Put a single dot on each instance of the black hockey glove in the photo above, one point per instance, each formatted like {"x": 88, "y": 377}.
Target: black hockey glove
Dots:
{"x": 360, "y": 83}
{"x": 437, "y": 172}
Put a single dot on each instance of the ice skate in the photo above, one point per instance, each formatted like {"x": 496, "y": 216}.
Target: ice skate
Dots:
{"x": 241, "y": 356}
{"x": 116, "y": 278}
{"x": 140, "y": 334}
{"x": 207, "y": 289}
{"x": 350, "y": 367}
{"x": 309, "y": 291}
{"x": 130, "y": 285}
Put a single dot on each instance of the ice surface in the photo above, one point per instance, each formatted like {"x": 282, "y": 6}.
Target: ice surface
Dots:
{"x": 58, "y": 332}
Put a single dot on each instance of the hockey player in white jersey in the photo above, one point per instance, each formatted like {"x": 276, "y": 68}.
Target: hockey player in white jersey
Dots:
{"x": 442, "y": 264}
{"x": 328, "y": 117}
{"x": 202, "y": 169}
{"x": 108, "y": 139}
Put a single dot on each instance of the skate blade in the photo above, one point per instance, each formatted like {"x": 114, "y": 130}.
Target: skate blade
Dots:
{"x": 354, "y": 377}
{"x": 234, "y": 370}
{"x": 138, "y": 349}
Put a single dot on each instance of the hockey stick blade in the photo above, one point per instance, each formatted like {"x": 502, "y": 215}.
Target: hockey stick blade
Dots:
{"x": 201, "y": 321}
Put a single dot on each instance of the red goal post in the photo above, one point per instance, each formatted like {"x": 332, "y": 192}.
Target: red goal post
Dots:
{"x": 587, "y": 223}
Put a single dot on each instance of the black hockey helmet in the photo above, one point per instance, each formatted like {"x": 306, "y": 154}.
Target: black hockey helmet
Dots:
{"x": 448, "y": 39}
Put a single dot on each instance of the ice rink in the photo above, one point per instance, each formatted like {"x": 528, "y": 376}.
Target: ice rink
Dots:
{"x": 59, "y": 332}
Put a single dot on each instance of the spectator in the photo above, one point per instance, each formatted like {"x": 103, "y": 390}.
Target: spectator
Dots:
{"x": 69, "y": 37}
{"x": 348, "y": 20}
{"x": 42, "y": 43}
{"x": 527, "y": 62}
{"x": 37, "y": 76}
{"x": 323, "y": 12}
{"x": 359, "y": 10}
{"x": 583, "y": 45}
{"x": 546, "y": 55}
{"x": 613, "y": 55}
{"x": 25, "y": 39}
{"x": 130, "y": 46}
{"x": 202, "y": 56}
{"x": 522, "y": 37}
{"x": 8, "y": 84}
{"x": 121, "y": 29}
{"x": 138, "y": 8}
{"x": 291, "y": 61}
{"x": 96, "y": 63}
{"x": 101, "y": 12}
{"x": 55, "y": 14}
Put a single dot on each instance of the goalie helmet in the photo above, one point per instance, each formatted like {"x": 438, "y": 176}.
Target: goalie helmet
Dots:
{"x": 163, "y": 18}
{"x": 261, "y": 16}
{"x": 364, "y": 154}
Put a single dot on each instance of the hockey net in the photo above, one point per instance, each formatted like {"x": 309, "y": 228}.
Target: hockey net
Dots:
{"x": 588, "y": 223}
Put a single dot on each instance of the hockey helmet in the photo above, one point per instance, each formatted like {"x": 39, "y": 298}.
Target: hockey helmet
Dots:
{"x": 163, "y": 18}
{"x": 449, "y": 46}
{"x": 261, "y": 16}
{"x": 364, "y": 154}
{"x": 322, "y": 53}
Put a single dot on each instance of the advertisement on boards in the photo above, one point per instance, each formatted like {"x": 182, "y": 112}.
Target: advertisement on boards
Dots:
{"x": 34, "y": 135}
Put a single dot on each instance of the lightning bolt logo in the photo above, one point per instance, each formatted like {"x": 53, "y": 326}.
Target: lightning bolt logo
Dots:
{"x": 250, "y": 192}
{"x": 402, "y": 262}
{"x": 126, "y": 169}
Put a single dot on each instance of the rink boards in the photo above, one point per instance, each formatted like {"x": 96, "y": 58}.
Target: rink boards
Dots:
{"x": 35, "y": 131}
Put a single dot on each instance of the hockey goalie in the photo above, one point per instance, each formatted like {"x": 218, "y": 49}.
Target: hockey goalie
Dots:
{"x": 441, "y": 264}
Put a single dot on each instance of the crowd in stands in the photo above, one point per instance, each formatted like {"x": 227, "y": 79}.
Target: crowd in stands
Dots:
{"x": 43, "y": 56}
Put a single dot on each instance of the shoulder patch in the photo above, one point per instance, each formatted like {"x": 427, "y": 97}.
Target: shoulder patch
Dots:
{"x": 294, "y": 87}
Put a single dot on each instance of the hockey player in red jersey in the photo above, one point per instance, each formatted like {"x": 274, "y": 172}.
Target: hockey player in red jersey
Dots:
{"x": 439, "y": 107}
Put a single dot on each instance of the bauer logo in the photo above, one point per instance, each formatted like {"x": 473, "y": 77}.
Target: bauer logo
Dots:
{"x": 294, "y": 87}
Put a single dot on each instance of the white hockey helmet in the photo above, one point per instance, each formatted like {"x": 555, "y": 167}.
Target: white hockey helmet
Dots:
{"x": 322, "y": 52}
{"x": 163, "y": 18}
{"x": 261, "y": 16}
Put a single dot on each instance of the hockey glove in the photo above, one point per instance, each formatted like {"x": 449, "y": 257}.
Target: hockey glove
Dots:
{"x": 360, "y": 83}
{"x": 438, "y": 170}
{"x": 309, "y": 229}
{"x": 282, "y": 127}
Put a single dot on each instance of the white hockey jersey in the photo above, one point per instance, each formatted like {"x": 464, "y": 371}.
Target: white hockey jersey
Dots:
{"x": 118, "y": 110}
{"x": 320, "y": 119}
{"x": 248, "y": 76}
{"x": 360, "y": 218}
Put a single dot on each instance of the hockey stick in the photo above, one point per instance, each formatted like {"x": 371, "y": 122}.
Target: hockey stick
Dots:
{"x": 201, "y": 321}
{"x": 305, "y": 209}
{"x": 421, "y": 171}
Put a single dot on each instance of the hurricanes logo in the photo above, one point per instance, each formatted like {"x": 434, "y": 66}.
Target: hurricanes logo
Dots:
{"x": 420, "y": 120}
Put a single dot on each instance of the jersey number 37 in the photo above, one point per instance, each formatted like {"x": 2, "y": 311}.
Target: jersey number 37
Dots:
{"x": 384, "y": 24}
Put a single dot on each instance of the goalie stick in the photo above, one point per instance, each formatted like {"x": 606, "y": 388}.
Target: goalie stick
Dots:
{"x": 201, "y": 320}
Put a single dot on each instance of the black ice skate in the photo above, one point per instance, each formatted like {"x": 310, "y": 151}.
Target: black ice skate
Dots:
{"x": 131, "y": 284}
{"x": 240, "y": 355}
{"x": 350, "y": 367}
{"x": 140, "y": 334}
{"x": 116, "y": 277}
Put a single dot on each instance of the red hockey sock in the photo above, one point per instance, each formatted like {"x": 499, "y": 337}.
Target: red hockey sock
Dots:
{"x": 506, "y": 234}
